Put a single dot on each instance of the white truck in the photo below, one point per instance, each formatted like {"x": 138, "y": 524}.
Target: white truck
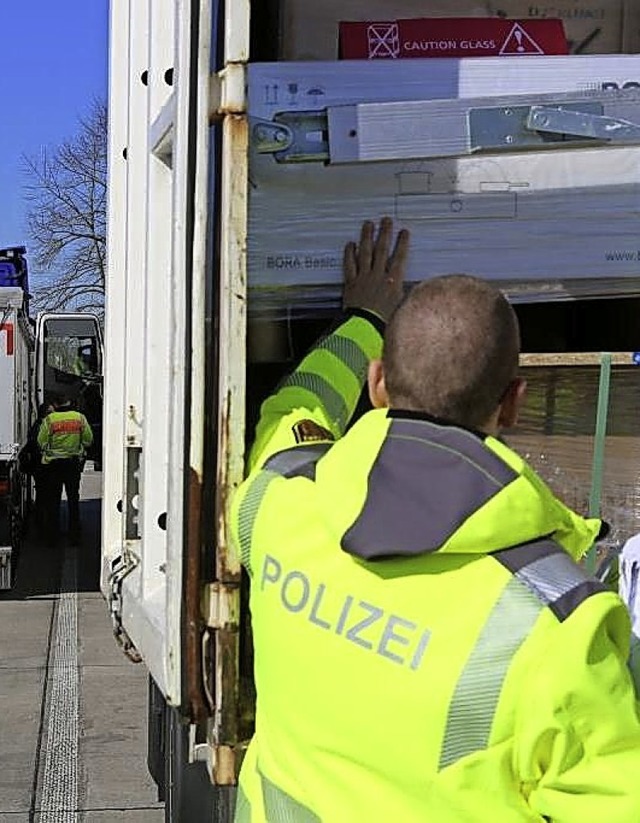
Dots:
{"x": 16, "y": 354}
{"x": 232, "y": 186}
{"x": 39, "y": 357}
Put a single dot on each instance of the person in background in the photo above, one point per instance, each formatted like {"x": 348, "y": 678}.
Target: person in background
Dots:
{"x": 426, "y": 645}
{"x": 63, "y": 437}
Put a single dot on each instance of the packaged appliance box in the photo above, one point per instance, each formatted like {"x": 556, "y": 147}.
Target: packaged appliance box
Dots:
{"x": 450, "y": 37}
{"x": 546, "y": 225}
{"x": 309, "y": 31}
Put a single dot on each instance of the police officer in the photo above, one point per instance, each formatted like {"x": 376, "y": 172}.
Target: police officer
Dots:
{"x": 63, "y": 438}
{"x": 426, "y": 646}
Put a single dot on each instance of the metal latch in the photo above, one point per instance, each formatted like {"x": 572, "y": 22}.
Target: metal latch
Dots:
{"x": 544, "y": 126}
{"x": 293, "y": 136}
{"x": 121, "y": 566}
{"x": 580, "y": 123}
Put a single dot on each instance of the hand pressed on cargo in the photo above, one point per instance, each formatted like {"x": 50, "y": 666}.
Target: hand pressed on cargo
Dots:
{"x": 374, "y": 276}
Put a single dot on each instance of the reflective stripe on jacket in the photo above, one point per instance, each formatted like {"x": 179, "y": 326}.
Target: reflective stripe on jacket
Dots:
{"x": 64, "y": 434}
{"x": 426, "y": 648}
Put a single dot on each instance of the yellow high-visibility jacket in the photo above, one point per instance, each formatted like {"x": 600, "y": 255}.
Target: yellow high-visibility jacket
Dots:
{"x": 426, "y": 647}
{"x": 64, "y": 434}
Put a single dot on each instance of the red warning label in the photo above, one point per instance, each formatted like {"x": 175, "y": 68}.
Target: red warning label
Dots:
{"x": 451, "y": 37}
{"x": 8, "y": 329}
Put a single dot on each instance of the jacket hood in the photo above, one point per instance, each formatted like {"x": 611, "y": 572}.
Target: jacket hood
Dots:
{"x": 430, "y": 487}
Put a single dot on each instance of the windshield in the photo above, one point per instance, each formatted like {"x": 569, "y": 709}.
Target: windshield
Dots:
{"x": 72, "y": 347}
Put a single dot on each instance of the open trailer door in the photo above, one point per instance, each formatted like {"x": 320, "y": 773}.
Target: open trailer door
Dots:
{"x": 174, "y": 390}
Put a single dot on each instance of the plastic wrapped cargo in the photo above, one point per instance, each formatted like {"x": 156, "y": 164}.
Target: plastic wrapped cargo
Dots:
{"x": 545, "y": 225}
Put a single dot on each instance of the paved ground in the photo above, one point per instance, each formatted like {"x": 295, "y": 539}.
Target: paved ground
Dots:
{"x": 72, "y": 707}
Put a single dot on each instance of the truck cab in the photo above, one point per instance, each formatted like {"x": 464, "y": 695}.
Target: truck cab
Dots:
{"x": 69, "y": 361}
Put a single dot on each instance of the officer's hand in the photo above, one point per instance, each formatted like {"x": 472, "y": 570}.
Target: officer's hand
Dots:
{"x": 373, "y": 278}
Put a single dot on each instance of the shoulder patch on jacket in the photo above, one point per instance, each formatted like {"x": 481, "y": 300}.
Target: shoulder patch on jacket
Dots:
{"x": 308, "y": 431}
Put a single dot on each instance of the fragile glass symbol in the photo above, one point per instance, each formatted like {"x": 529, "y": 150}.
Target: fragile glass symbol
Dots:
{"x": 383, "y": 40}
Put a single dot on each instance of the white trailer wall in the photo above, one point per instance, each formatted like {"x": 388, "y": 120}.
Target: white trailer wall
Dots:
{"x": 16, "y": 344}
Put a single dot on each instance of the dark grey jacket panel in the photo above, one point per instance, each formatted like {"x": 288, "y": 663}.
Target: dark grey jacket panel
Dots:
{"x": 425, "y": 482}
{"x": 299, "y": 461}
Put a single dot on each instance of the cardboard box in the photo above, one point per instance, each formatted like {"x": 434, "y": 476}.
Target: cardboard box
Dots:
{"x": 545, "y": 225}
{"x": 451, "y": 37}
{"x": 631, "y": 27}
{"x": 592, "y": 26}
{"x": 309, "y": 31}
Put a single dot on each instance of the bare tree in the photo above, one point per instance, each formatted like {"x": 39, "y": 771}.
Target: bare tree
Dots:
{"x": 67, "y": 191}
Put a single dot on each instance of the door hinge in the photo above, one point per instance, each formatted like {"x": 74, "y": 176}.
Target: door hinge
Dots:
{"x": 227, "y": 92}
{"x": 220, "y": 606}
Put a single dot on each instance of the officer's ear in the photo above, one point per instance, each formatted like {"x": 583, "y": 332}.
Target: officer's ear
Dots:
{"x": 377, "y": 388}
{"x": 512, "y": 401}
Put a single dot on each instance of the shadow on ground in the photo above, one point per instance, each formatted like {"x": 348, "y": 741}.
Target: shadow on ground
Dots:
{"x": 40, "y": 561}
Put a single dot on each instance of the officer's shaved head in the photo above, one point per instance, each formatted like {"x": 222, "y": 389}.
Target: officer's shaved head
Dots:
{"x": 451, "y": 349}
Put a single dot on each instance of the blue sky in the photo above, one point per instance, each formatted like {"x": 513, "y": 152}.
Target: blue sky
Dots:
{"x": 54, "y": 63}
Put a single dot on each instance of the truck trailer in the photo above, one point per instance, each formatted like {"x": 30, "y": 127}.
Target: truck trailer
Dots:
{"x": 41, "y": 356}
{"x": 239, "y": 165}
{"x": 16, "y": 355}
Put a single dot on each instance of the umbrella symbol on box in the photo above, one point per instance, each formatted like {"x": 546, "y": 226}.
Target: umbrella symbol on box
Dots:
{"x": 383, "y": 40}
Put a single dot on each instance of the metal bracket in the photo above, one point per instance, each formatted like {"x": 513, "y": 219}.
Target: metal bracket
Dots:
{"x": 577, "y": 121}
{"x": 269, "y": 137}
{"x": 293, "y": 136}
{"x": 122, "y": 566}
{"x": 535, "y": 127}
{"x": 429, "y": 129}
